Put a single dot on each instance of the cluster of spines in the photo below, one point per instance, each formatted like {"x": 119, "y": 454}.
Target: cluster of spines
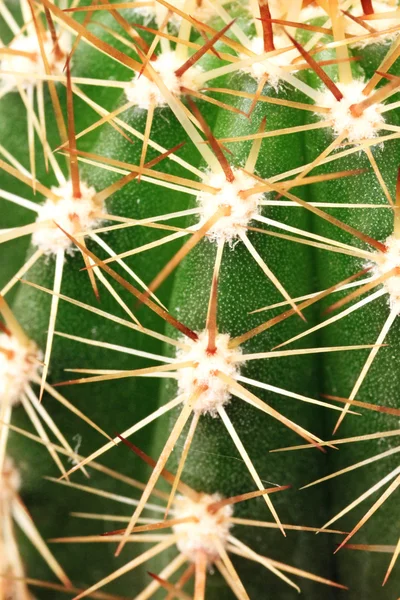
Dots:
{"x": 214, "y": 359}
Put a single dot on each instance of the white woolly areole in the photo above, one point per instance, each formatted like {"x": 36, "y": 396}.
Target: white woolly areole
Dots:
{"x": 312, "y": 12}
{"x": 359, "y": 128}
{"x": 18, "y": 366}
{"x": 203, "y": 11}
{"x": 242, "y": 211}
{"x": 34, "y": 63}
{"x": 224, "y": 359}
{"x": 353, "y": 28}
{"x": 72, "y": 214}
{"x": 271, "y": 66}
{"x": 143, "y": 91}
{"x": 386, "y": 261}
{"x": 10, "y": 480}
{"x": 199, "y": 536}
{"x": 279, "y": 8}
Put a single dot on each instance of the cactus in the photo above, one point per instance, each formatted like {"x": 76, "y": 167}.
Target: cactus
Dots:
{"x": 208, "y": 179}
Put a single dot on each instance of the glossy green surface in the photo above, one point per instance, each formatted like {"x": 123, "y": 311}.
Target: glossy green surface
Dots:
{"x": 213, "y": 464}
{"x": 112, "y": 406}
{"x": 340, "y": 371}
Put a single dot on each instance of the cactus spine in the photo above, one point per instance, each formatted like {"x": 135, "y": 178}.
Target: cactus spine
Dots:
{"x": 195, "y": 180}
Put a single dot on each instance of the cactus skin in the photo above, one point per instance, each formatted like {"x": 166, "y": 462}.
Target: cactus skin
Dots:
{"x": 132, "y": 399}
{"x": 32, "y": 309}
{"x": 341, "y": 372}
{"x": 242, "y": 288}
{"x": 380, "y": 386}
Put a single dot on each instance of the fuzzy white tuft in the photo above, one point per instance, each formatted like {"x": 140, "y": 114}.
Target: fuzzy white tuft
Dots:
{"x": 143, "y": 91}
{"x": 271, "y": 66}
{"x": 355, "y": 29}
{"x": 386, "y": 261}
{"x": 224, "y": 359}
{"x": 202, "y": 11}
{"x": 242, "y": 210}
{"x": 34, "y": 63}
{"x": 18, "y": 366}
{"x": 359, "y": 128}
{"x": 72, "y": 214}
{"x": 199, "y": 536}
{"x": 312, "y": 12}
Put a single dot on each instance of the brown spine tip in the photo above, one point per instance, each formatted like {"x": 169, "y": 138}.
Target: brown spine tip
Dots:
{"x": 356, "y": 110}
{"x": 266, "y": 21}
{"x": 318, "y": 70}
{"x": 5, "y": 329}
{"x": 367, "y": 7}
{"x": 209, "y": 45}
{"x": 135, "y": 292}
{"x": 227, "y": 169}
